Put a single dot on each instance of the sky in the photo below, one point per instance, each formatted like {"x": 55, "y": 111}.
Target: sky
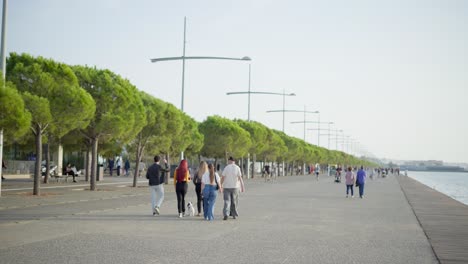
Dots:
{"x": 393, "y": 75}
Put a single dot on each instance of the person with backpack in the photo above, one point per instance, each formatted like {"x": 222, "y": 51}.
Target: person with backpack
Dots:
{"x": 181, "y": 177}
{"x": 155, "y": 176}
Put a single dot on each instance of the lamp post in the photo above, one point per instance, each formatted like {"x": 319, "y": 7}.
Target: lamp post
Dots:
{"x": 284, "y": 94}
{"x": 184, "y": 58}
{"x": 328, "y": 134}
{"x": 249, "y": 92}
{"x": 318, "y": 129}
{"x": 336, "y": 136}
{"x": 299, "y": 111}
{"x": 3, "y": 68}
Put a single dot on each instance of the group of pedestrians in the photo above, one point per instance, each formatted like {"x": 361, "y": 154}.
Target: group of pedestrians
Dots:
{"x": 357, "y": 180}
{"x": 208, "y": 184}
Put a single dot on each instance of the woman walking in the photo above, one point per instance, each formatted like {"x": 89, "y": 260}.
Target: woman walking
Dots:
{"x": 210, "y": 187}
{"x": 181, "y": 177}
{"x": 197, "y": 180}
{"x": 350, "y": 182}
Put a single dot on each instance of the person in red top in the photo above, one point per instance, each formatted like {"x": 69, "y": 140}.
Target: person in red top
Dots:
{"x": 181, "y": 177}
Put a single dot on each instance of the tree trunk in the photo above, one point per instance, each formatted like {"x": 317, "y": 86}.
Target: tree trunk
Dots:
{"x": 88, "y": 163}
{"x": 167, "y": 175}
{"x": 139, "y": 154}
{"x": 94, "y": 168}
{"x": 47, "y": 157}
{"x": 37, "y": 171}
{"x": 253, "y": 165}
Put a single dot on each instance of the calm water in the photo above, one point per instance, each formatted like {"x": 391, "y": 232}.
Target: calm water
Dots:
{"x": 453, "y": 184}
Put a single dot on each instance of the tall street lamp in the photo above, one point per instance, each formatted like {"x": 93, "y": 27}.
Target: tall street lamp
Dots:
{"x": 184, "y": 58}
{"x": 249, "y": 92}
{"x": 297, "y": 111}
{"x": 328, "y": 134}
{"x": 3, "y": 68}
{"x": 284, "y": 94}
{"x": 336, "y": 137}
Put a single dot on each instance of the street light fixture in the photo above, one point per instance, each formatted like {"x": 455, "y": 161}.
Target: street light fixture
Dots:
{"x": 284, "y": 94}
{"x": 249, "y": 92}
{"x": 296, "y": 111}
{"x": 184, "y": 58}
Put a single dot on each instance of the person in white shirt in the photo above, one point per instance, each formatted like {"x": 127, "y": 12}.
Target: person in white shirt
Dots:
{"x": 231, "y": 181}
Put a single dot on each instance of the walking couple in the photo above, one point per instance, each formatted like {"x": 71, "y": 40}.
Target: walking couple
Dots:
{"x": 208, "y": 184}
{"x": 359, "y": 180}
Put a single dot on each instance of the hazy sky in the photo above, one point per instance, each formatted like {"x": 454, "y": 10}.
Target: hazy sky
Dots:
{"x": 392, "y": 74}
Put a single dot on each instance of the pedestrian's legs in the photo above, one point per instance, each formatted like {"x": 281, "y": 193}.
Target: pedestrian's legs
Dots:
{"x": 111, "y": 169}
{"x": 184, "y": 192}
{"x": 352, "y": 190}
{"x": 118, "y": 170}
{"x": 361, "y": 190}
{"x": 199, "y": 197}
{"x": 153, "y": 197}
{"x": 205, "y": 202}
{"x": 348, "y": 187}
{"x": 160, "y": 195}
{"x": 234, "y": 202}
{"x": 211, "y": 202}
{"x": 227, "y": 201}
{"x": 179, "y": 196}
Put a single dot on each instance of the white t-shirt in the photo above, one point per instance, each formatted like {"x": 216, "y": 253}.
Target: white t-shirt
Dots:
{"x": 231, "y": 173}
{"x": 206, "y": 178}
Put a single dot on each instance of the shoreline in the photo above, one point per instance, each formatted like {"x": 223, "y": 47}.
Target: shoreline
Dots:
{"x": 443, "y": 219}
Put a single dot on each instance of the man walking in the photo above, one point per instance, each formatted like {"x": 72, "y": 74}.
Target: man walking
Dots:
{"x": 231, "y": 181}
{"x": 155, "y": 175}
{"x": 361, "y": 180}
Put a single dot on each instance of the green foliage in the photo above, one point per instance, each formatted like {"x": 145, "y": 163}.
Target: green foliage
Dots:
{"x": 71, "y": 106}
{"x": 15, "y": 120}
{"x": 119, "y": 111}
{"x": 39, "y": 108}
{"x": 275, "y": 147}
{"x": 258, "y": 135}
{"x": 223, "y": 137}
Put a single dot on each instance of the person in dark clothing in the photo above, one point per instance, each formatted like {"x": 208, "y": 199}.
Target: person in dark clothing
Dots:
{"x": 127, "y": 167}
{"x": 155, "y": 175}
{"x": 181, "y": 177}
{"x": 3, "y": 168}
{"x": 197, "y": 180}
{"x": 111, "y": 166}
{"x": 69, "y": 171}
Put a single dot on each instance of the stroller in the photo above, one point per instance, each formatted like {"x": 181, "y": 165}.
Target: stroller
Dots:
{"x": 338, "y": 177}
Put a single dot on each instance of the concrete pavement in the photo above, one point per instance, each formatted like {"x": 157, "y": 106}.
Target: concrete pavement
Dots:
{"x": 294, "y": 220}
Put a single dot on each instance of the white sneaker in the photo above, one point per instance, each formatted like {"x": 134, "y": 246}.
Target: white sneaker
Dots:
{"x": 180, "y": 215}
{"x": 156, "y": 210}
{"x": 352, "y": 196}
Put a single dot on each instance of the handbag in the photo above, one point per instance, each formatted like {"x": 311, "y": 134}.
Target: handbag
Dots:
{"x": 217, "y": 184}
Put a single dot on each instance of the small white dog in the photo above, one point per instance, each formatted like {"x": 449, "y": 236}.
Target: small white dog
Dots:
{"x": 190, "y": 209}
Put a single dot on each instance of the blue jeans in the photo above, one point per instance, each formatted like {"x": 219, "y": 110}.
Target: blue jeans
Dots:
{"x": 349, "y": 187}
{"x": 209, "y": 198}
{"x": 361, "y": 189}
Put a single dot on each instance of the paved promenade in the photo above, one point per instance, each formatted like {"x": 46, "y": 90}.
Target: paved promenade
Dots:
{"x": 293, "y": 220}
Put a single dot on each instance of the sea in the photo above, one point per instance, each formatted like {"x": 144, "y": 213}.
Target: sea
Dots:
{"x": 452, "y": 184}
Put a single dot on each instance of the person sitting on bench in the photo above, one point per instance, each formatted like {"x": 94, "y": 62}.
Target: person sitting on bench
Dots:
{"x": 69, "y": 171}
